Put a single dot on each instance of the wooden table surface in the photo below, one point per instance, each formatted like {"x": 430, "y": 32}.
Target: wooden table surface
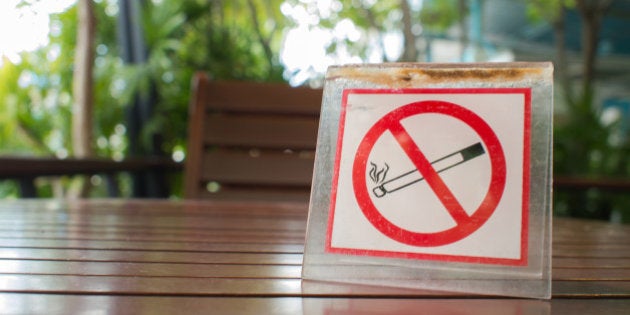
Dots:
{"x": 148, "y": 257}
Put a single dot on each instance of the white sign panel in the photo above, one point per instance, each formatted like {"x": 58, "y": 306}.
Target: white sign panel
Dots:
{"x": 436, "y": 174}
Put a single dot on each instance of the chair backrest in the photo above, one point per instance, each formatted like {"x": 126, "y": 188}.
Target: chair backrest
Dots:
{"x": 250, "y": 140}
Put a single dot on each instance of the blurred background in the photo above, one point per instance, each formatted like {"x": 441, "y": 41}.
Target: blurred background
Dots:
{"x": 121, "y": 70}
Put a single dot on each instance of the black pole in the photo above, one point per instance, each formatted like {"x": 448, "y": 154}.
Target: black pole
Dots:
{"x": 134, "y": 51}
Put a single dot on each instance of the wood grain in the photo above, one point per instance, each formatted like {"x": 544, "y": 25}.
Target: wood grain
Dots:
{"x": 245, "y": 257}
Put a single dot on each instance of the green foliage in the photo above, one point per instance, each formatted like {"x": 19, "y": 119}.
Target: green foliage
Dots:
{"x": 585, "y": 146}
{"x": 36, "y": 96}
{"x": 10, "y": 133}
{"x": 183, "y": 36}
{"x": 376, "y": 21}
{"x": 439, "y": 15}
{"x": 547, "y": 10}
{"x": 220, "y": 38}
{"x": 241, "y": 39}
{"x": 358, "y": 28}
{"x": 229, "y": 39}
{"x": 36, "y": 92}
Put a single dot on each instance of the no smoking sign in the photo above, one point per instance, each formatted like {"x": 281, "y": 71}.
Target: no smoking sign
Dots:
{"x": 434, "y": 174}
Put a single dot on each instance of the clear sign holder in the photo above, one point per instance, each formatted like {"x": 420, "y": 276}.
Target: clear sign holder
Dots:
{"x": 434, "y": 176}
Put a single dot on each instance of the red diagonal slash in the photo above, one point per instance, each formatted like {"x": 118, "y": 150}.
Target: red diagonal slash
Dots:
{"x": 430, "y": 174}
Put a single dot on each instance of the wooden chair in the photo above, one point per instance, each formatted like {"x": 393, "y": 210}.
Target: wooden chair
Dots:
{"x": 250, "y": 140}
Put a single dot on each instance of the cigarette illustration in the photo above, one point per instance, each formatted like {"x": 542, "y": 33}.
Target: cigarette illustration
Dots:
{"x": 440, "y": 165}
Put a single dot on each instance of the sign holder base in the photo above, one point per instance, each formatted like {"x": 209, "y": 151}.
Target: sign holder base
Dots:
{"x": 488, "y": 171}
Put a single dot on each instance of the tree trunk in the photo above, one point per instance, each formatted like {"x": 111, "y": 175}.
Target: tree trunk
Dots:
{"x": 264, "y": 42}
{"x": 410, "y": 52}
{"x": 463, "y": 28}
{"x": 369, "y": 15}
{"x": 561, "y": 55}
{"x": 590, "y": 38}
{"x": 82, "y": 85}
{"x": 592, "y": 13}
{"x": 82, "y": 90}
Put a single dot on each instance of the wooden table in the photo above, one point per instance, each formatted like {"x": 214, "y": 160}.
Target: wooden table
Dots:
{"x": 148, "y": 257}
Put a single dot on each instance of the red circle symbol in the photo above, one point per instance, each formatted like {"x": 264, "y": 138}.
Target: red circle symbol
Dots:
{"x": 466, "y": 224}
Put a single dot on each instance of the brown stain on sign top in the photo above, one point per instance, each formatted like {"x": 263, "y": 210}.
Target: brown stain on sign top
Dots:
{"x": 413, "y": 76}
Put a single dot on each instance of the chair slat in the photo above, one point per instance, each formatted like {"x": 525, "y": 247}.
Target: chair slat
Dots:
{"x": 257, "y": 97}
{"x": 235, "y": 192}
{"x": 258, "y": 168}
{"x": 261, "y": 131}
